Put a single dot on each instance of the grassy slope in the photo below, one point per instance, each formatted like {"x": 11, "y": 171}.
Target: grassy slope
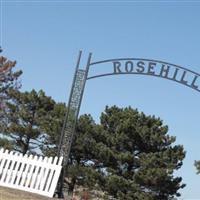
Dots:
{"x": 10, "y": 194}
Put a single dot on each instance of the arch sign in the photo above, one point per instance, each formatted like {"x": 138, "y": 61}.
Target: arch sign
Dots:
{"x": 141, "y": 66}
{"x": 120, "y": 66}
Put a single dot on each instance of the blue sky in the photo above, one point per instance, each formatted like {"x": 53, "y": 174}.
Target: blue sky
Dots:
{"x": 45, "y": 37}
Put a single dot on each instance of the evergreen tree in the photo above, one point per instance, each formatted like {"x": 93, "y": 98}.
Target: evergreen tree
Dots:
{"x": 138, "y": 156}
{"x": 79, "y": 171}
{"x": 6, "y": 144}
{"x": 52, "y": 125}
{"x": 197, "y": 165}
{"x": 8, "y": 80}
{"x": 128, "y": 156}
{"x": 27, "y": 115}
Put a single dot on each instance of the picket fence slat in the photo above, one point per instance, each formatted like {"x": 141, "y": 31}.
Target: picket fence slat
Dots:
{"x": 29, "y": 173}
{"x": 9, "y": 174}
{"x": 20, "y": 172}
{"x": 51, "y": 175}
{"x": 15, "y": 171}
{"x": 33, "y": 183}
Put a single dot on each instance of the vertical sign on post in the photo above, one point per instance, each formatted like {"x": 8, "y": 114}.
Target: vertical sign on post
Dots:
{"x": 71, "y": 116}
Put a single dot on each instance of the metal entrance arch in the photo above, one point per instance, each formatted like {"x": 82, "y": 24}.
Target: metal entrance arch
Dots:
{"x": 149, "y": 67}
{"x": 120, "y": 66}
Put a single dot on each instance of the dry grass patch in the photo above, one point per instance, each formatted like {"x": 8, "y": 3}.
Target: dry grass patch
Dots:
{"x": 11, "y": 194}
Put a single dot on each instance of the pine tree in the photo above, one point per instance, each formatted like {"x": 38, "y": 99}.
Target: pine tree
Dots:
{"x": 138, "y": 156}
{"x": 197, "y": 165}
{"x": 27, "y": 115}
{"x": 8, "y": 80}
{"x": 128, "y": 155}
{"x": 81, "y": 170}
{"x": 78, "y": 172}
{"x": 52, "y": 127}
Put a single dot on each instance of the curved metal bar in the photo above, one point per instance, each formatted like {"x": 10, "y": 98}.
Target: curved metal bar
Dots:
{"x": 136, "y": 73}
{"x": 143, "y": 59}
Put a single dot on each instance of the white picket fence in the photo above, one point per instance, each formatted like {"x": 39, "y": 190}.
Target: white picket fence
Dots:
{"x": 29, "y": 173}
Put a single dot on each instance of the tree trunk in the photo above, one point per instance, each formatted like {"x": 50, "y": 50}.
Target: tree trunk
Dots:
{"x": 72, "y": 186}
{"x": 25, "y": 147}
